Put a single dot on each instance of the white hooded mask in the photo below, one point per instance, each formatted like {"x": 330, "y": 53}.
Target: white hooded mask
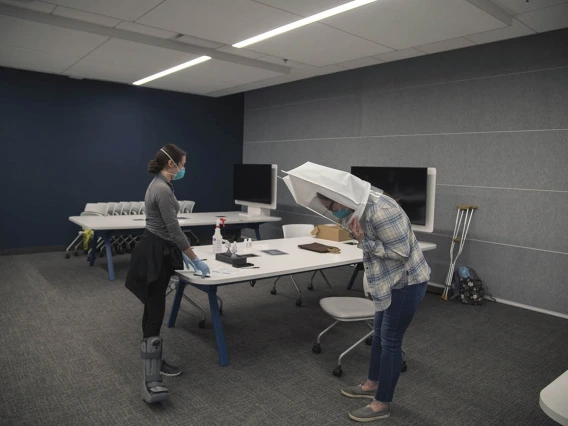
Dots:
{"x": 309, "y": 179}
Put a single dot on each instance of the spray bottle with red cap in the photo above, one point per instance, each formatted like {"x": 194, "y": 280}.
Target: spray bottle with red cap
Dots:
{"x": 217, "y": 237}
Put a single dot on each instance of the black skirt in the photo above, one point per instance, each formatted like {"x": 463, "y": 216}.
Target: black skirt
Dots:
{"x": 146, "y": 262}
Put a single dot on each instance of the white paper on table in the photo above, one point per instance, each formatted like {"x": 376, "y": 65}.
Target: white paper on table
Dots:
{"x": 226, "y": 270}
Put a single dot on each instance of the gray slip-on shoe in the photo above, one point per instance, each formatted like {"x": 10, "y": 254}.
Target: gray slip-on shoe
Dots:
{"x": 366, "y": 414}
{"x": 358, "y": 392}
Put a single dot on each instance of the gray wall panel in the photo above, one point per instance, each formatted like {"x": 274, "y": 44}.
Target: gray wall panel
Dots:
{"x": 531, "y": 277}
{"x": 533, "y": 219}
{"x": 515, "y": 102}
{"x": 465, "y": 112}
{"x": 518, "y": 55}
{"x": 327, "y": 86}
{"x": 326, "y": 118}
{"x": 257, "y": 125}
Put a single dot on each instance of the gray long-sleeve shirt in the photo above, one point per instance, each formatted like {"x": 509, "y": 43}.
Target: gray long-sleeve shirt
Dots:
{"x": 162, "y": 208}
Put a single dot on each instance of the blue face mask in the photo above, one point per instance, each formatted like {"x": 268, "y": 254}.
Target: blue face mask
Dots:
{"x": 342, "y": 214}
{"x": 179, "y": 174}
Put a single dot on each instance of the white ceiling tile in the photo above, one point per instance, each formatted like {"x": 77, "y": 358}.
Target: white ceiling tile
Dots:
{"x": 241, "y": 52}
{"x": 520, "y": 6}
{"x": 129, "y": 10}
{"x": 303, "y": 7}
{"x": 397, "y": 55}
{"x": 33, "y": 35}
{"x": 34, "y": 60}
{"x": 400, "y": 24}
{"x": 359, "y": 63}
{"x": 99, "y": 70}
{"x": 143, "y": 29}
{"x": 552, "y": 18}
{"x": 199, "y": 42}
{"x": 155, "y": 59}
{"x": 85, "y": 16}
{"x": 211, "y": 76}
{"x": 38, "y": 6}
{"x": 441, "y": 46}
{"x": 518, "y": 29}
{"x": 228, "y": 21}
{"x": 318, "y": 45}
{"x": 280, "y": 61}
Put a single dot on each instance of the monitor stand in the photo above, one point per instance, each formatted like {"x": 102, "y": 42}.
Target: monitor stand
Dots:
{"x": 255, "y": 211}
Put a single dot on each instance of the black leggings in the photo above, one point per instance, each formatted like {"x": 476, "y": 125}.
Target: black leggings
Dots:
{"x": 155, "y": 305}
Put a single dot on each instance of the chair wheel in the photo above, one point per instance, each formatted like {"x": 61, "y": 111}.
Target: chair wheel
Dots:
{"x": 316, "y": 349}
{"x": 252, "y": 283}
{"x": 369, "y": 341}
{"x": 310, "y": 287}
{"x": 337, "y": 371}
{"x": 202, "y": 324}
{"x": 102, "y": 254}
{"x": 76, "y": 253}
{"x": 67, "y": 256}
{"x": 404, "y": 367}
{"x": 299, "y": 302}
{"x": 273, "y": 291}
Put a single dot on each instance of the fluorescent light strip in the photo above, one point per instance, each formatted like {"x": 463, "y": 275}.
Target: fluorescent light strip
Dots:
{"x": 310, "y": 19}
{"x": 172, "y": 70}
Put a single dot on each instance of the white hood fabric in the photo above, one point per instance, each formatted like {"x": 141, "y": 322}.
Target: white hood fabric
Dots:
{"x": 305, "y": 181}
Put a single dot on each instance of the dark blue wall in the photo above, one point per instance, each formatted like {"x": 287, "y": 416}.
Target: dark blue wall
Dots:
{"x": 67, "y": 142}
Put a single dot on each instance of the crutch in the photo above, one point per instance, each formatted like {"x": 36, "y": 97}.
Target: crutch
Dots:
{"x": 464, "y": 215}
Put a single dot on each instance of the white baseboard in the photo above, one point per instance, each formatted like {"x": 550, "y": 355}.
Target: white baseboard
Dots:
{"x": 518, "y": 305}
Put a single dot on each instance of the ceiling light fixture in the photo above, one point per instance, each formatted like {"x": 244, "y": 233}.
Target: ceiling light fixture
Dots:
{"x": 297, "y": 24}
{"x": 172, "y": 70}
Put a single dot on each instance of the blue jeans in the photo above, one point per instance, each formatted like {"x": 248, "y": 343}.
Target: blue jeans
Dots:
{"x": 389, "y": 328}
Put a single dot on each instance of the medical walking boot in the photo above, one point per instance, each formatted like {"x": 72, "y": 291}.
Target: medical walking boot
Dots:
{"x": 153, "y": 390}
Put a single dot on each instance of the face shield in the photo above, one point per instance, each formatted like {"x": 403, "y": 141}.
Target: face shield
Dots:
{"x": 326, "y": 191}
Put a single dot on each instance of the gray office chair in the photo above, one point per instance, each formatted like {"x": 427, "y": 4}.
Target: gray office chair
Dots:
{"x": 351, "y": 309}
{"x": 91, "y": 209}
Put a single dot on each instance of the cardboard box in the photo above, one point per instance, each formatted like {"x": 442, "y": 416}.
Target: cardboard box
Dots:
{"x": 331, "y": 232}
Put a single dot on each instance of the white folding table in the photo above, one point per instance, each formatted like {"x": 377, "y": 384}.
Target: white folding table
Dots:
{"x": 265, "y": 266}
{"x": 106, "y": 226}
{"x": 554, "y": 399}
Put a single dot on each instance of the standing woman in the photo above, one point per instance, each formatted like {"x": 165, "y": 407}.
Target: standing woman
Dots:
{"x": 398, "y": 275}
{"x": 154, "y": 259}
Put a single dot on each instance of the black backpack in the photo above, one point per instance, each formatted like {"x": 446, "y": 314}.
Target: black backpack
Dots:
{"x": 467, "y": 287}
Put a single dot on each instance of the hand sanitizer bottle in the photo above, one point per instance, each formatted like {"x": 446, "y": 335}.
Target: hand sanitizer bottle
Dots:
{"x": 217, "y": 237}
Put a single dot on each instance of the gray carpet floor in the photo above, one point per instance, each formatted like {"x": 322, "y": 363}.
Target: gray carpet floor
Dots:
{"x": 69, "y": 351}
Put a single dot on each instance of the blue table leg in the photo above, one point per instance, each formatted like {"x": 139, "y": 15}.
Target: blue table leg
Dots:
{"x": 92, "y": 252}
{"x": 177, "y": 303}
{"x": 108, "y": 248}
{"x": 257, "y": 231}
{"x": 353, "y": 276}
{"x": 217, "y": 325}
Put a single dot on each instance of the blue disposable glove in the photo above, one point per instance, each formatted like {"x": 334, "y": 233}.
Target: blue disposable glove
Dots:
{"x": 202, "y": 267}
{"x": 197, "y": 265}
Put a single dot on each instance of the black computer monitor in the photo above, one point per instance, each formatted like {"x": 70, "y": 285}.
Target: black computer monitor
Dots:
{"x": 407, "y": 185}
{"x": 253, "y": 183}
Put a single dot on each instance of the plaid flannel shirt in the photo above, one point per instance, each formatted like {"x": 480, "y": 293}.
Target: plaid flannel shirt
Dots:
{"x": 391, "y": 254}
